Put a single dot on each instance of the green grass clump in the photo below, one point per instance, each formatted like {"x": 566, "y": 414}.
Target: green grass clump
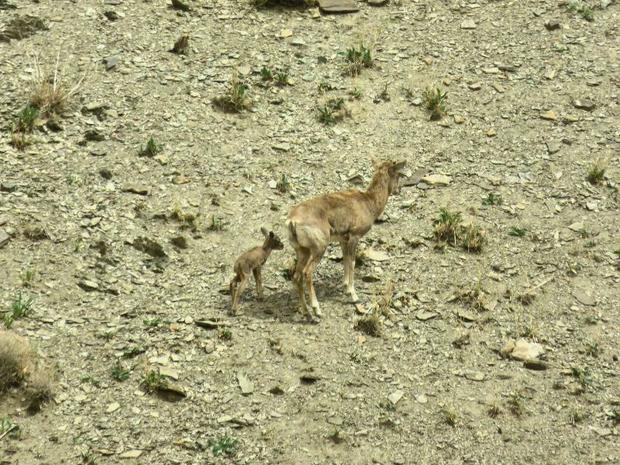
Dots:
{"x": 435, "y": 102}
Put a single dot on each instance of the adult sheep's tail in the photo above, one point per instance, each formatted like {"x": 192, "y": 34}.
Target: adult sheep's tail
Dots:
{"x": 292, "y": 233}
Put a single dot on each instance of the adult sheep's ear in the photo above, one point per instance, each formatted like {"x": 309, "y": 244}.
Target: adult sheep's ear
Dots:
{"x": 271, "y": 234}
{"x": 265, "y": 232}
{"x": 398, "y": 166}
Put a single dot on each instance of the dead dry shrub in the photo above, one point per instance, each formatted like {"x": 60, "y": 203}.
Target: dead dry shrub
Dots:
{"x": 15, "y": 360}
{"x": 18, "y": 368}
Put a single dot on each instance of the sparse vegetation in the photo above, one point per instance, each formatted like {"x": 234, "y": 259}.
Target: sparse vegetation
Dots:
{"x": 119, "y": 372}
{"x": 333, "y": 111}
{"x": 217, "y": 223}
{"x": 151, "y": 148}
{"x": 473, "y": 238}
{"x": 283, "y": 184}
{"x": 435, "y": 102}
{"x": 358, "y": 58}
{"x": 152, "y": 381}
{"x": 449, "y": 416}
{"x": 596, "y": 172}
{"x": 583, "y": 377}
{"x": 493, "y": 199}
{"x": 225, "y": 445}
{"x": 582, "y": 8}
{"x": 577, "y": 416}
{"x": 26, "y": 119}
{"x": 593, "y": 349}
{"x": 448, "y": 226}
{"x": 27, "y": 278}
{"x": 235, "y": 99}
{"x": 21, "y": 307}
{"x": 516, "y": 404}
{"x": 516, "y": 231}
{"x": 225, "y": 334}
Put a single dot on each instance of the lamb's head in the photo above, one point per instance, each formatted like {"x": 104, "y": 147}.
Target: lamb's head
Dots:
{"x": 272, "y": 241}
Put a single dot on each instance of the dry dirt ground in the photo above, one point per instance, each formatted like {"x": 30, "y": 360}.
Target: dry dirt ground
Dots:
{"x": 529, "y": 111}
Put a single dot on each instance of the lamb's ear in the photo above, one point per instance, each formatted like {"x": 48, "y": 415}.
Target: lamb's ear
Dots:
{"x": 265, "y": 232}
{"x": 375, "y": 163}
{"x": 397, "y": 166}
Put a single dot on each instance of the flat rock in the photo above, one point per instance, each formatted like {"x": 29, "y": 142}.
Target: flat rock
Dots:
{"x": 474, "y": 375}
{"x": 375, "y": 255}
{"x": 522, "y": 350}
{"x": 577, "y": 226}
{"x": 584, "y": 297}
{"x": 113, "y": 407}
{"x": 437, "y": 179}
{"x": 466, "y": 316}
{"x": 549, "y": 115}
{"x": 131, "y": 454}
{"x": 423, "y": 315}
{"x": 338, "y": 6}
{"x": 468, "y": 24}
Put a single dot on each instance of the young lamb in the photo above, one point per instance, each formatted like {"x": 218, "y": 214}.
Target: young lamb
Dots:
{"x": 251, "y": 262}
{"x": 337, "y": 217}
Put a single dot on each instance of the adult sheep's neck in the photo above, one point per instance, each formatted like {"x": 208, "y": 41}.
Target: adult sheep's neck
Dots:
{"x": 378, "y": 193}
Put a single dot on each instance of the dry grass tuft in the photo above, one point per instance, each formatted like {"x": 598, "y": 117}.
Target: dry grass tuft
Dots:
{"x": 51, "y": 92}
{"x": 370, "y": 325}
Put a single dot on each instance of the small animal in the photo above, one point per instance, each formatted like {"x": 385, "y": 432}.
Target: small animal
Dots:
{"x": 181, "y": 45}
{"x": 251, "y": 262}
{"x": 343, "y": 217}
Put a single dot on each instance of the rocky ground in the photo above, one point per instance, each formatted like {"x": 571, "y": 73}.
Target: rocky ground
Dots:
{"x": 123, "y": 254}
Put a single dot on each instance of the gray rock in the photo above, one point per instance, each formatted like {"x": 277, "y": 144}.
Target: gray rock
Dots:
{"x": 585, "y": 104}
{"x": 110, "y": 62}
{"x": 4, "y": 238}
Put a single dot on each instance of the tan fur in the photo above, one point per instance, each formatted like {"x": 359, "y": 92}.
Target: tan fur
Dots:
{"x": 337, "y": 217}
{"x": 251, "y": 262}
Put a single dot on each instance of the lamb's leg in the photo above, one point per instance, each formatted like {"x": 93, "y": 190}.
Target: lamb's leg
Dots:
{"x": 349, "y": 252}
{"x": 259, "y": 282}
{"x": 241, "y": 287}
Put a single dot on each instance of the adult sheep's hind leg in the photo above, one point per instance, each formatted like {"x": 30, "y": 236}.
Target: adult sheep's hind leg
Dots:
{"x": 315, "y": 258}
{"x": 298, "y": 278}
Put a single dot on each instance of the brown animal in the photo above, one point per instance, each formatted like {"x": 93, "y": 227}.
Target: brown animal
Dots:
{"x": 251, "y": 262}
{"x": 337, "y": 217}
